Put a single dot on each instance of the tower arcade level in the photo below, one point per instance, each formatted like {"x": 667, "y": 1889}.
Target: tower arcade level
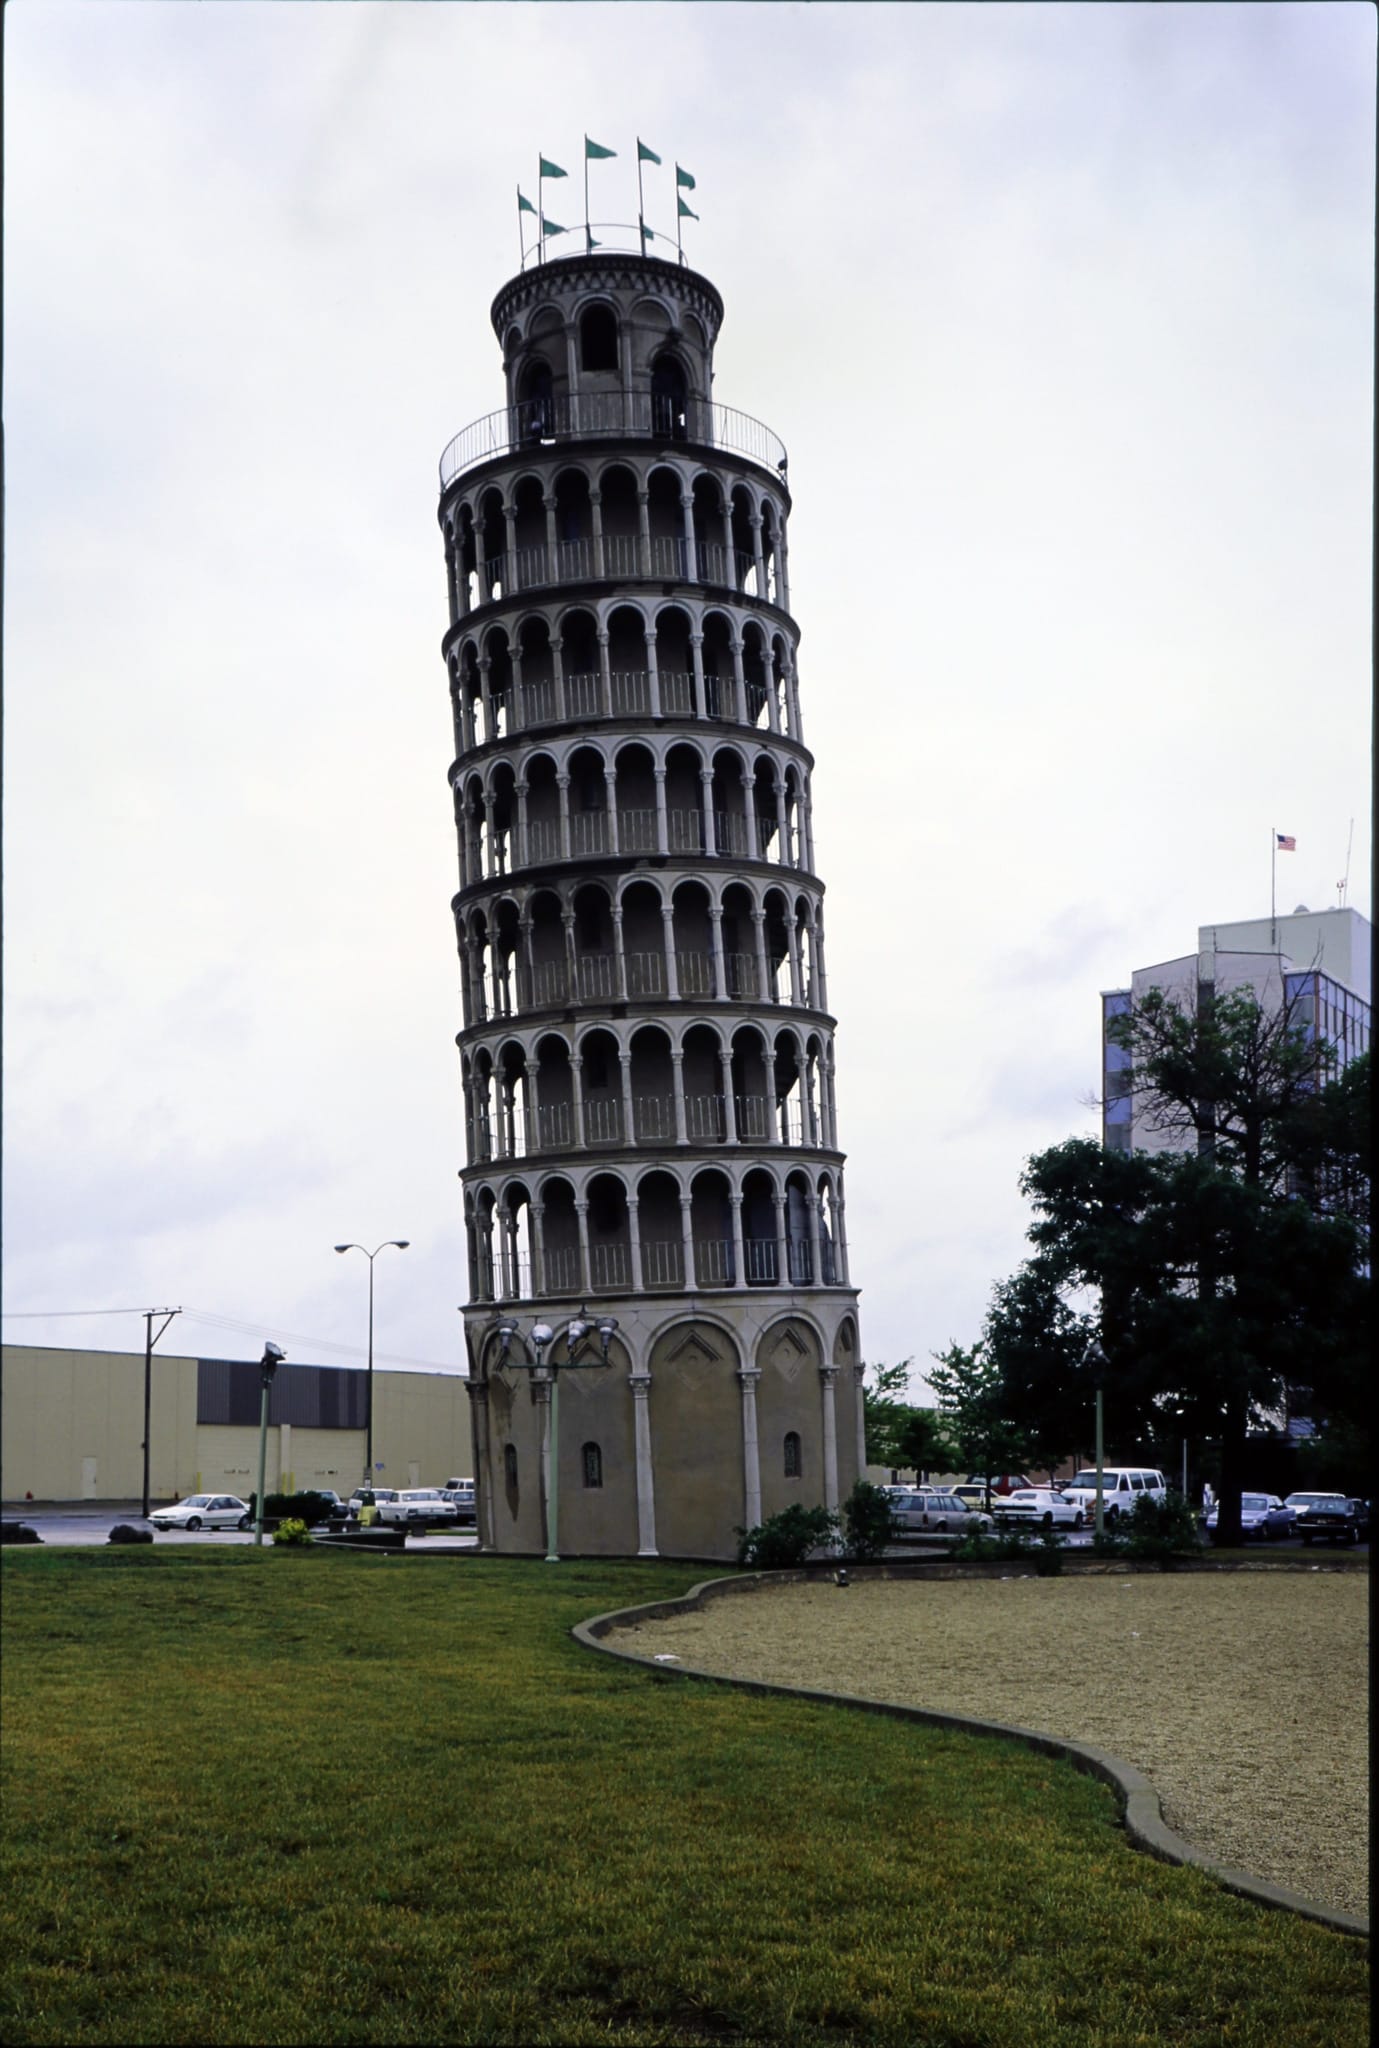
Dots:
{"x": 647, "y": 1052}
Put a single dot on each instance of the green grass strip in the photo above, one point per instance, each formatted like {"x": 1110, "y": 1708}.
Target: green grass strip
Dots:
{"x": 303, "y": 1797}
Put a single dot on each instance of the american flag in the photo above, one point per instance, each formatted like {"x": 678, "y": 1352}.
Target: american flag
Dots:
{"x": 1286, "y": 843}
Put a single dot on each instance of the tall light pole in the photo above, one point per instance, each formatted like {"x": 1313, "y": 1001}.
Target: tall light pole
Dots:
{"x": 1096, "y": 1358}
{"x": 397, "y": 1244}
{"x": 541, "y": 1336}
{"x": 273, "y": 1356}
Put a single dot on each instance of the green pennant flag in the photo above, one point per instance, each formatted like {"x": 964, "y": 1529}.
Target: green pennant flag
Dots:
{"x": 684, "y": 178}
{"x": 551, "y": 227}
{"x": 550, "y": 170}
{"x": 685, "y": 212}
{"x": 524, "y": 205}
{"x": 648, "y": 234}
{"x": 645, "y": 155}
{"x": 596, "y": 149}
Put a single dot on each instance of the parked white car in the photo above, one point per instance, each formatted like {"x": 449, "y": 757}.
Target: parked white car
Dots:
{"x": 418, "y": 1504}
{"x": 204, "y": 1511}
{"x": 1038, "y": 1507}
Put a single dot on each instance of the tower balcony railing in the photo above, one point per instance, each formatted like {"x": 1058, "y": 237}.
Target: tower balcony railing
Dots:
{"x": 508, "y": 1272}
{"x": 555, "y": 420}
{"x": 582, "y": 696}
{"x": 595, "y": 980}
{"x": 618, "y": 558}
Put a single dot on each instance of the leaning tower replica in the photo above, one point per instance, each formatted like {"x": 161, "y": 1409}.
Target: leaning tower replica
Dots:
{"x": 661, "y": 1329}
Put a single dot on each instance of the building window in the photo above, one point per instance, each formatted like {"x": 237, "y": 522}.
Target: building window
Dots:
{"x": 792, "y": 1454}
{"x": 510, "y": 1464}
{"x": 593, "y": 1465}
{"x": 598, "y": 339}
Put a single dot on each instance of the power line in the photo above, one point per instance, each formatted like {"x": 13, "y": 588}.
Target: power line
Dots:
{"x": 237, "y": 1327}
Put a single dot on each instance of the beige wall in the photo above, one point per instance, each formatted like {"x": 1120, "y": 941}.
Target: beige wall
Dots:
{"x": 74, "y": 1425}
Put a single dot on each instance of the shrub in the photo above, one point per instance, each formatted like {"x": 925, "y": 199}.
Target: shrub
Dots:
{"x": 785, "y": 1540}
{"x": 1048, "y": 1554}
{"x": 18, "y": 1532}
{"x": 1162, "y": 1531}
{"x": 124, "y": 1533}
{"x": 868, "y": 1523}
{"x": 292, "y": 1530}
{"x": 993, "y": 1548}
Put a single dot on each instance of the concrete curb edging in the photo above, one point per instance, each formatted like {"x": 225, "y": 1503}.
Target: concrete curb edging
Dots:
{"x": 1139, "y": 1802}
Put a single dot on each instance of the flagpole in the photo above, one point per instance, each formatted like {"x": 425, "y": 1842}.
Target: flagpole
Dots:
{"x": 588, "y": 237}
{"x": 641, "y": 203}
{"x": 1273, "y": 870}
{"x": 521, "y": 238}
{"x": 540, "y": 212}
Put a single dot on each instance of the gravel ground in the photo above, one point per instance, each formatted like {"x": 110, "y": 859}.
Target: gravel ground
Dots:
{"x": 1243, "y": 1696}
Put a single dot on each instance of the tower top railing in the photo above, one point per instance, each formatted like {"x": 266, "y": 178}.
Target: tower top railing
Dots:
{"x": 604, "y": 238}
{"x": 559, "y": 419}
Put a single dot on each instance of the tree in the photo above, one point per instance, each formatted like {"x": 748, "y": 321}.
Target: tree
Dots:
{"x": 926, "y": 1444}
{"x": 1257, "y": 1089}
{"x": 1216, "y": 1294}
{"x": 972, "y": 1408}
{"x": 885, "y": 1413}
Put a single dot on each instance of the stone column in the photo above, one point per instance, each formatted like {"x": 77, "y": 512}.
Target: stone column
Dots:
{"x": 759, "y": 941}
{"x": 610, "y": 801}
{"x": 747, "y": 1378}
{"x": 828, "y": 1375}
{"x": 858, "y": 1374}
{"x": 677, "y": 1068}
{"x": 687, "y": 1243}
{"x": 605, "y": 674}
{"x": 538, "y": 1247}
{"x": 528, "y": 957}
{"x": 672, "y": 975}
{"x": 634, "y": 1238}
{"x": 782, "y": 567}
{"x": 739, "y": 682}
{"x": 725, "y": 1076}
{"x": 485, "y": 699}
{"x": 619, "y": 957}
{"x": 739, "y": 1267}
{"x": 815, "y": 1241}
{"x": 697, "y": 664}
{"x": 596, "y": 510}
{"x": 653, "y": 680}
{"x": 523, "y": 852}
{"x": 796, "y": 976}
{"x": 710, "y": 829}
{"x": 567, "y": 919}
{"x": 582, "y": 1217}
{"x": 532, "y": 1106}
{"x": 577, "y": 1096}
{"x": 629, "y": 1128}
{"x": 640, "y": 1383}
{"x": 644, "y": 531}
{"x": 784, "y": 850}
{"x": 558, "y": 674}
{"x": 562, "y": 784}
{"x": 782, "y": 1243}
{"x": 757, "y": 556}
{"x": 479, "y": 1430}
{"x": 662, "y": 822}
{"x": 716, "y": 950}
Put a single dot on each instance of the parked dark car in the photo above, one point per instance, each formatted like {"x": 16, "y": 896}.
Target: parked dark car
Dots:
{"x": 1328, "y": 1517}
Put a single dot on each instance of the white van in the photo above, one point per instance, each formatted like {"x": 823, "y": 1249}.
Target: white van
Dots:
{"x": 1121, "y": 1487}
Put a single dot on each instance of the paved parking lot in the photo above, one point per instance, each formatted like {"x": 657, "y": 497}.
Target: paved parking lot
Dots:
{"x": 73, "y": 1523}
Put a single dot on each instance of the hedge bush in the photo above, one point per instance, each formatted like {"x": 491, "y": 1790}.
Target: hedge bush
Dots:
{"x": 123, "y": 1532}
{"x": 785, "y": 1540}
{"x": 299, "y": 1507}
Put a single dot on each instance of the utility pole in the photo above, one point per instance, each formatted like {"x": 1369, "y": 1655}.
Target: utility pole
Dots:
{"x": 149, "y": 1341}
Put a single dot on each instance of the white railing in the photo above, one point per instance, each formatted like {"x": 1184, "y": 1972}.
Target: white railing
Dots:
{"x": 653, "y": 1119}
{"x": 713, "y": 1262}
{"x": 663, "y": 1262}
{"x": 599, "y": 415}
{"x": 612, "y": 1265}
{"x": 646, "y": 974}
{"x": 704, "y": 1117}
{"x": 602, "y": 1120}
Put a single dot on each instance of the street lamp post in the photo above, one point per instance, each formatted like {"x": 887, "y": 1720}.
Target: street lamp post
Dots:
{"x": 398, "y": 1244}
{"x": 542, "y": 1335}
{"x": 1096, "y": 1358}
{"x": 273, "y": 1356}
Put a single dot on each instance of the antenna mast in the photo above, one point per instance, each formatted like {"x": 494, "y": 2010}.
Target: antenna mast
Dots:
{"x": 1344, "y": 882}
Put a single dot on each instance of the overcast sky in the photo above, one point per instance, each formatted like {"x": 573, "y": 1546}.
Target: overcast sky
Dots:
{"x": 1065, "y": 316}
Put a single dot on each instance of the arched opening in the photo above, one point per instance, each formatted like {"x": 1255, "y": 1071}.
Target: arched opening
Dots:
{"x": 792, "y": 1461}
{"x": 610, "y": 1244}
{"x": 652, "y": 1086}
{"x": 560, "y": 1262}
{"x": 760, "y": 1238}
{"x": 702, "y": 1079}
{"x": 643, "y": 940}
{"x": 693, "y": 944}
{"x": 628, "y": 679}
{"x": 751, "y": 1107}
{"x": 621, "y": 521}
{"x": 574, "y": 526}
{"x": 684, "y": 800}
{"x": 669, "y": 399}
{"x": 535, "y": 401}
{"x": 579, "y": 660}
{"x": 710, "y": 548}
{"x": 530, "y": 568}
{"x": 601, "y": 1087}
{"x": 555, "y": 1099}
{"x": 720, "y": 676}
{"x": 711, "y": 1222}
{"x": 659, "y": 1219}
{"x": 595, "y": 980}
{"x": 588, "y": 798}
{"x": 536, "y": 697}
{"x": 638, "y": 830}
{"x": 738, "y": 935}
{"x": 674, "y": 663}
{"x": 667, "y": 523}
{"x": 598, "y": 339}
{"x": 550, "y": 980}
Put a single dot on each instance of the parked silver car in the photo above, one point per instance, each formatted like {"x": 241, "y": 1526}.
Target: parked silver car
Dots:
{"x": 925, "y": 1507}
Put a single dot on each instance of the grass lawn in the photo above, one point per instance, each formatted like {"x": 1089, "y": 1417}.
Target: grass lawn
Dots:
{"x": 261, "y": 1797}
